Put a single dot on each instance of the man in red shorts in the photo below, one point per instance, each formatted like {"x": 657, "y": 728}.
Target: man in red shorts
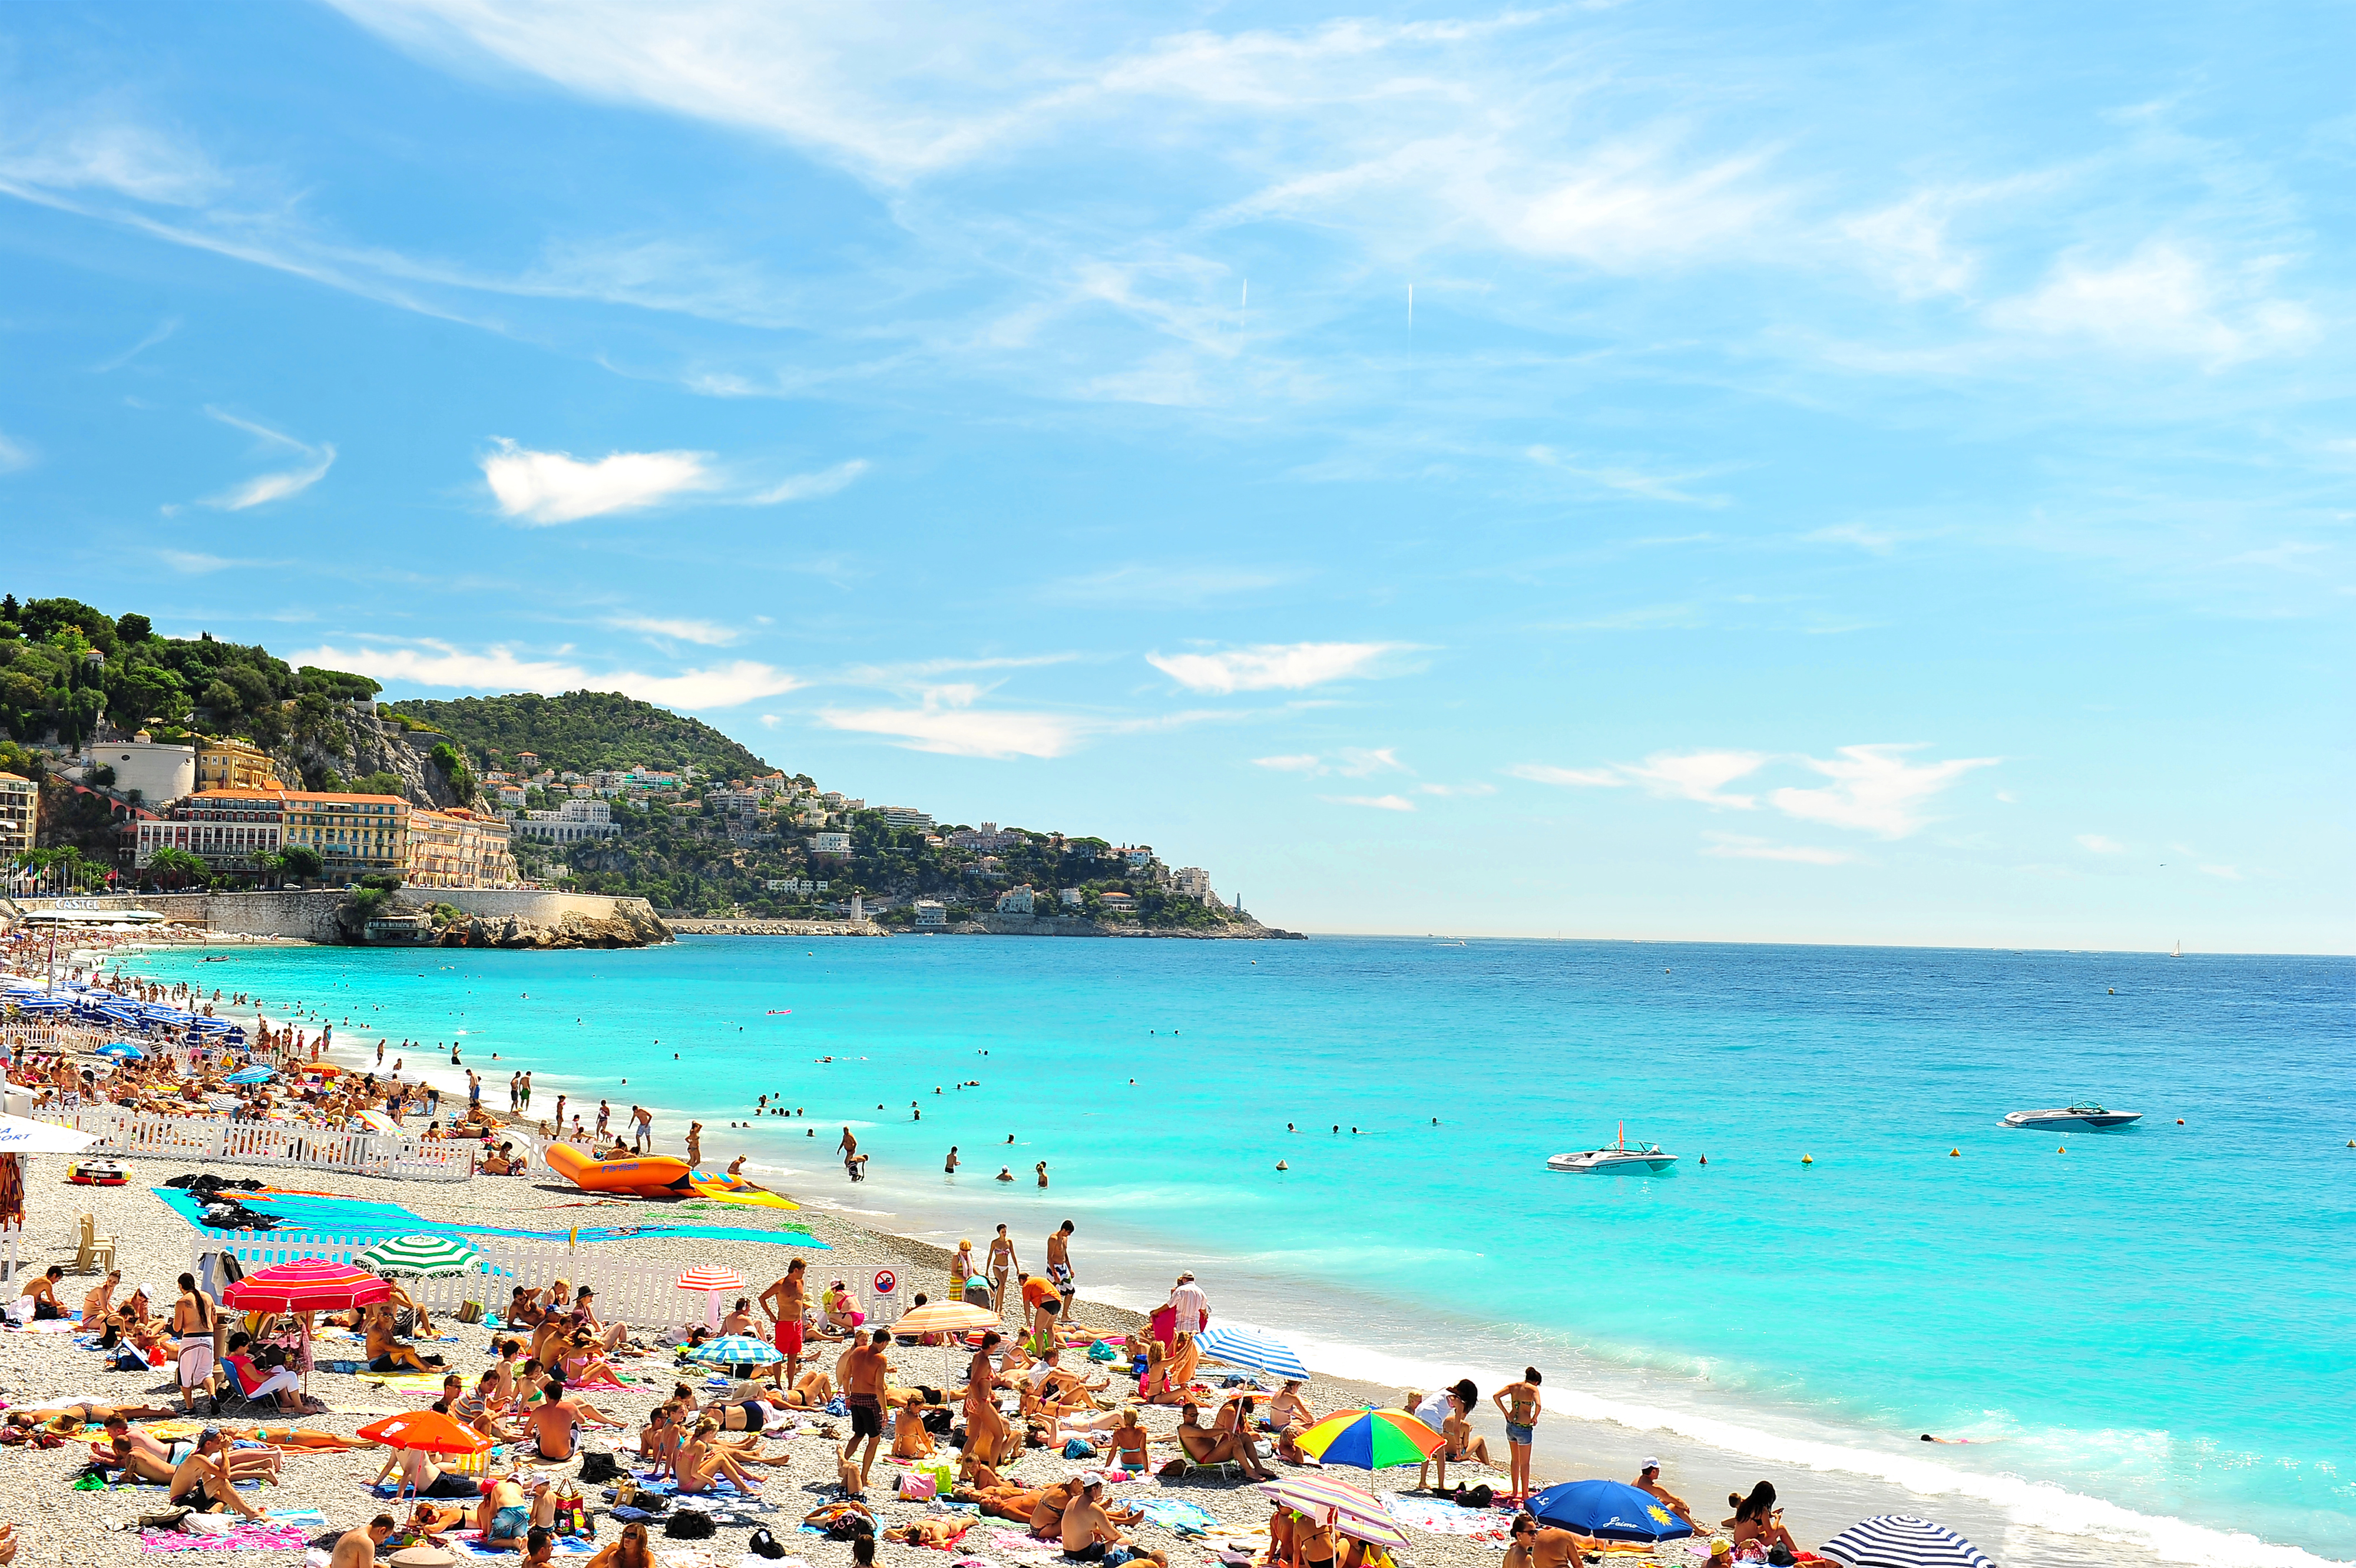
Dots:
{"x": 786, "y": 1301}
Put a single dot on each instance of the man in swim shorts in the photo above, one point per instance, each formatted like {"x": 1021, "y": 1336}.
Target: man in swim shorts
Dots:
{"x": 194, "y": 1318}
{"x": 865, "y": 1369}
{"x": 1059, "y": 1265}
{"x": 785, "y": 1302}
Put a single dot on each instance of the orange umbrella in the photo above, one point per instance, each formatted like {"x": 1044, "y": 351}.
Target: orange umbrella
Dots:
{"x": 427, "y": 1429}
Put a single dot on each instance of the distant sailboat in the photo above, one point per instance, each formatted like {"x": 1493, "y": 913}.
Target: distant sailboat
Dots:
{"x": 2178, "y": 949}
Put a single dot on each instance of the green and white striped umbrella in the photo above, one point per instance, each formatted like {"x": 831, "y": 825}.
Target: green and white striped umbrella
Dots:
{"x": 422, "y": 1257}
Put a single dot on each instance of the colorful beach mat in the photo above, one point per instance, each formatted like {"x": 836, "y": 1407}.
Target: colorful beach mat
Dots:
{"x": 337, "y": 1215}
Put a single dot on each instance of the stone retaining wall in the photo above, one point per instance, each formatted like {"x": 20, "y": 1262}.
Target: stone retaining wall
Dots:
{"x": 312, "y": 916}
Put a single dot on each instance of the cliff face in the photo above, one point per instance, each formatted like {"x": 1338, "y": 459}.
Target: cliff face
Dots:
{"x": 631, "y": 923}
{"x": 367, "y": 745}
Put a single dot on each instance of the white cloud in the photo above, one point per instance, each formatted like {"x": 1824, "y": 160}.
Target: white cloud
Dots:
{"x": 1733, "y": 847}
{"x": 1182, "y": 586}
{"x": 13, "y": 455}
{"x": 262, "y": 488}
{"x": 1622, "y": 478}
{"x": 1875, "y": 789}
{"x": 499, "y": 668}
{"x": 1272, "y": 666}
{"x": 709, "y": 634}
{"x": 1350, "y": 762}
{"x": 809, "y": 486}
{"x": 2229, "y": 873}
{"x": 1625, "y": 209}
{"x": 161, "y": 331}
{"x": 769, "y": 721}
{"x": 1456, "y": 790}
{"x": 946, "y": 726}
{"x": 2160, "y": 300}
{"x": 1696, "y": 774}
{"x": 1376, "y": 802}
{"x": 1583, "y": 777}
{"x": 131, "y": 160}
{"x": 2098, "y": 844}
{"x": 542, "y": 488}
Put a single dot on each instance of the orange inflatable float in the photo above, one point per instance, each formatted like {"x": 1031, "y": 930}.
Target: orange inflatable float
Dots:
{"x": 655, "y": 1176}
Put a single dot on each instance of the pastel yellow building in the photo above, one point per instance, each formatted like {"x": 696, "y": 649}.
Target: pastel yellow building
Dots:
{"x": 350, "y": 833}
{"x": 458, "y": 848}
{"x": 19, "y": 808}
{"x": 227, "y": 763}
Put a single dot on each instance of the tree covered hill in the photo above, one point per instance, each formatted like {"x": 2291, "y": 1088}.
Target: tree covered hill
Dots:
{"x": 584, "y": 732}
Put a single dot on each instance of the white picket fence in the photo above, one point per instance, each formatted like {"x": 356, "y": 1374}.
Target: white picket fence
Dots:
{"x": 220, "y": 1141}
{"x": 626, "y": 1293}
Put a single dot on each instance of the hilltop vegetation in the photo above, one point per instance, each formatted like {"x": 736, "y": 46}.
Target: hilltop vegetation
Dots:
{"x": 586, "y": 732}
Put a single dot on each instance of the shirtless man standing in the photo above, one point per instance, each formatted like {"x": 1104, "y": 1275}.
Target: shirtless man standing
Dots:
{"x": 785, "y": 1302}
{"x": 356, "y": 1549}
{"x": 1003, "y": 1262}
{"x": 1059, "y": 1265}
{"x": 864, "y": 1372}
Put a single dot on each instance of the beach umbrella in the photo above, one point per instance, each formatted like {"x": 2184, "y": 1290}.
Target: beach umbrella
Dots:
{"x": 738, "y": 1350}
{"x": 1903, "y": 1541}
{"x": 420, "y": 1257}
{"x": 306, "y": 1285}
{"x": 1353, "y": 1510}
{"x": 427, "y": 1429}
{"x": 121, "y": 1050}
{"x": 1370, "y": 1439}
{"x": 711, "y": 1280}
{"x": 1608, "y": 1510}
{"x": 22, "y": 1135}
{"x": 252, "y": 1075}
{"x": 946, "y": 1317}
{"x": 1237, "y": 1348}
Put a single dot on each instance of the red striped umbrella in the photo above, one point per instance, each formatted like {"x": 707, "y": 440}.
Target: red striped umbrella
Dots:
{"x": 427, "y": 1429}
{"x": 707, "y": 1277}
{"x": 306, "y": 1285}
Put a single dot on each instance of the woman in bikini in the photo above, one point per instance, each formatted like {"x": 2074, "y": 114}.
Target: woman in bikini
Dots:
{"x": 1756, "y": 1517}
{"x": 629, "y": 1551}
{"x": 1519, "y": 1401}
{"x": 702, "y": 1461}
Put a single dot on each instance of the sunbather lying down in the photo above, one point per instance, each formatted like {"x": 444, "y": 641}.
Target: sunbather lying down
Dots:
{"x": 69, "y": 1416}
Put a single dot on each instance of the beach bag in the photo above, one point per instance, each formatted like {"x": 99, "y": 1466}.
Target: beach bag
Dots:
{"x": 688, "y": 1526}
{"x": 761, "y": 1543}
{"x": 1077, "y": 1448}
{"x": 598, "y": 1466}
{"x": 471, "y": 1312}
{"x": 919, "y": 1488}
{"x": 1100, "y": 1351}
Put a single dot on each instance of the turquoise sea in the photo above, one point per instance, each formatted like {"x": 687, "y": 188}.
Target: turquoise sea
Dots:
{"x": 2151, "y": 1336}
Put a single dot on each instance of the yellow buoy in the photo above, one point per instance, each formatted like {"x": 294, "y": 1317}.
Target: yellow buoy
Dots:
{"x": 1807, "y": 1159}
{"x": 2180, "y": 1121}
{"x": 2060, "y": 1151}
{"x": 1282, "y": 1166}
{"x": 1955, "y": 1154}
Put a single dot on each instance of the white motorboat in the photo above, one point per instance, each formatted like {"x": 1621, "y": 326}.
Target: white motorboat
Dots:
{"x": 1618, "y": 1157}
{"x": 2087, "y": 1114}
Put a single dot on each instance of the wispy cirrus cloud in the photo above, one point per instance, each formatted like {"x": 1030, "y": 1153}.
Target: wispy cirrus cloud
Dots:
{"x": 1373, "y": 802}
{"x": 809, "y": 486}
{"x": 1733, "y": 847}
{"x": 1279, "y": 666}
{"x": 2161, "y": 300}
{"x": 2096, "y": 843}
{"x": 1873, "y": 789}
{"x": 704, "y": 633}
{"x": 264, "y": 487}
{"x": 501, "y": 668}
{"x": 1350, "y": 762}
{"x": 950, "y": 720}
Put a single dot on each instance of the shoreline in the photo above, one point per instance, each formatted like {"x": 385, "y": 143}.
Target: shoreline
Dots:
{"x": 1586, "y": 1435}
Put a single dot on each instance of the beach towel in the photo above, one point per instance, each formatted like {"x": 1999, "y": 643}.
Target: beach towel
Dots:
{"x": 274, "y": 1536}
{"x": 1435, "y": 1518}
{"x": 469, "y": 1543}
{"x": 1179, "y": 1514}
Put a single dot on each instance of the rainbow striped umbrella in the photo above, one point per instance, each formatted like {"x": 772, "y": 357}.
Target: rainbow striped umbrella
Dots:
{"x": 1370, "y": 1439}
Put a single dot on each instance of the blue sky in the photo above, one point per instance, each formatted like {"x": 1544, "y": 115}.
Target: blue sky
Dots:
{"x": 1850, "y": 473}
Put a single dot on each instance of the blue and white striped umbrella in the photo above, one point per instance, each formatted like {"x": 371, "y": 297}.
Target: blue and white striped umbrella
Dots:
{"x": 252, "y": 1075}
{"x": 1237, "y": 1348}
{"x": 1901, "y": 1541}
{"x": 739, "y": 1351}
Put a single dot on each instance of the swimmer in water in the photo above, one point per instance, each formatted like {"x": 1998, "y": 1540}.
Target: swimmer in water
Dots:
{"x": 1004, "y": 1173}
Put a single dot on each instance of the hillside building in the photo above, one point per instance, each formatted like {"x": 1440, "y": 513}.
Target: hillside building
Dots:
{"x": 225, "y": 762}
{"x": 19, "y": 811}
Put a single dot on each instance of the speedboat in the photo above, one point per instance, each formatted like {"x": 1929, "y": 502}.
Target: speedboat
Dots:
{"x": 1619, "y": 1157}
{"x": 2087, "y": 1114}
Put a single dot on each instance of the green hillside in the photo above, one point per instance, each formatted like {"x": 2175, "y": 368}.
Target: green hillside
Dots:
{"x": 584, "y": 732}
